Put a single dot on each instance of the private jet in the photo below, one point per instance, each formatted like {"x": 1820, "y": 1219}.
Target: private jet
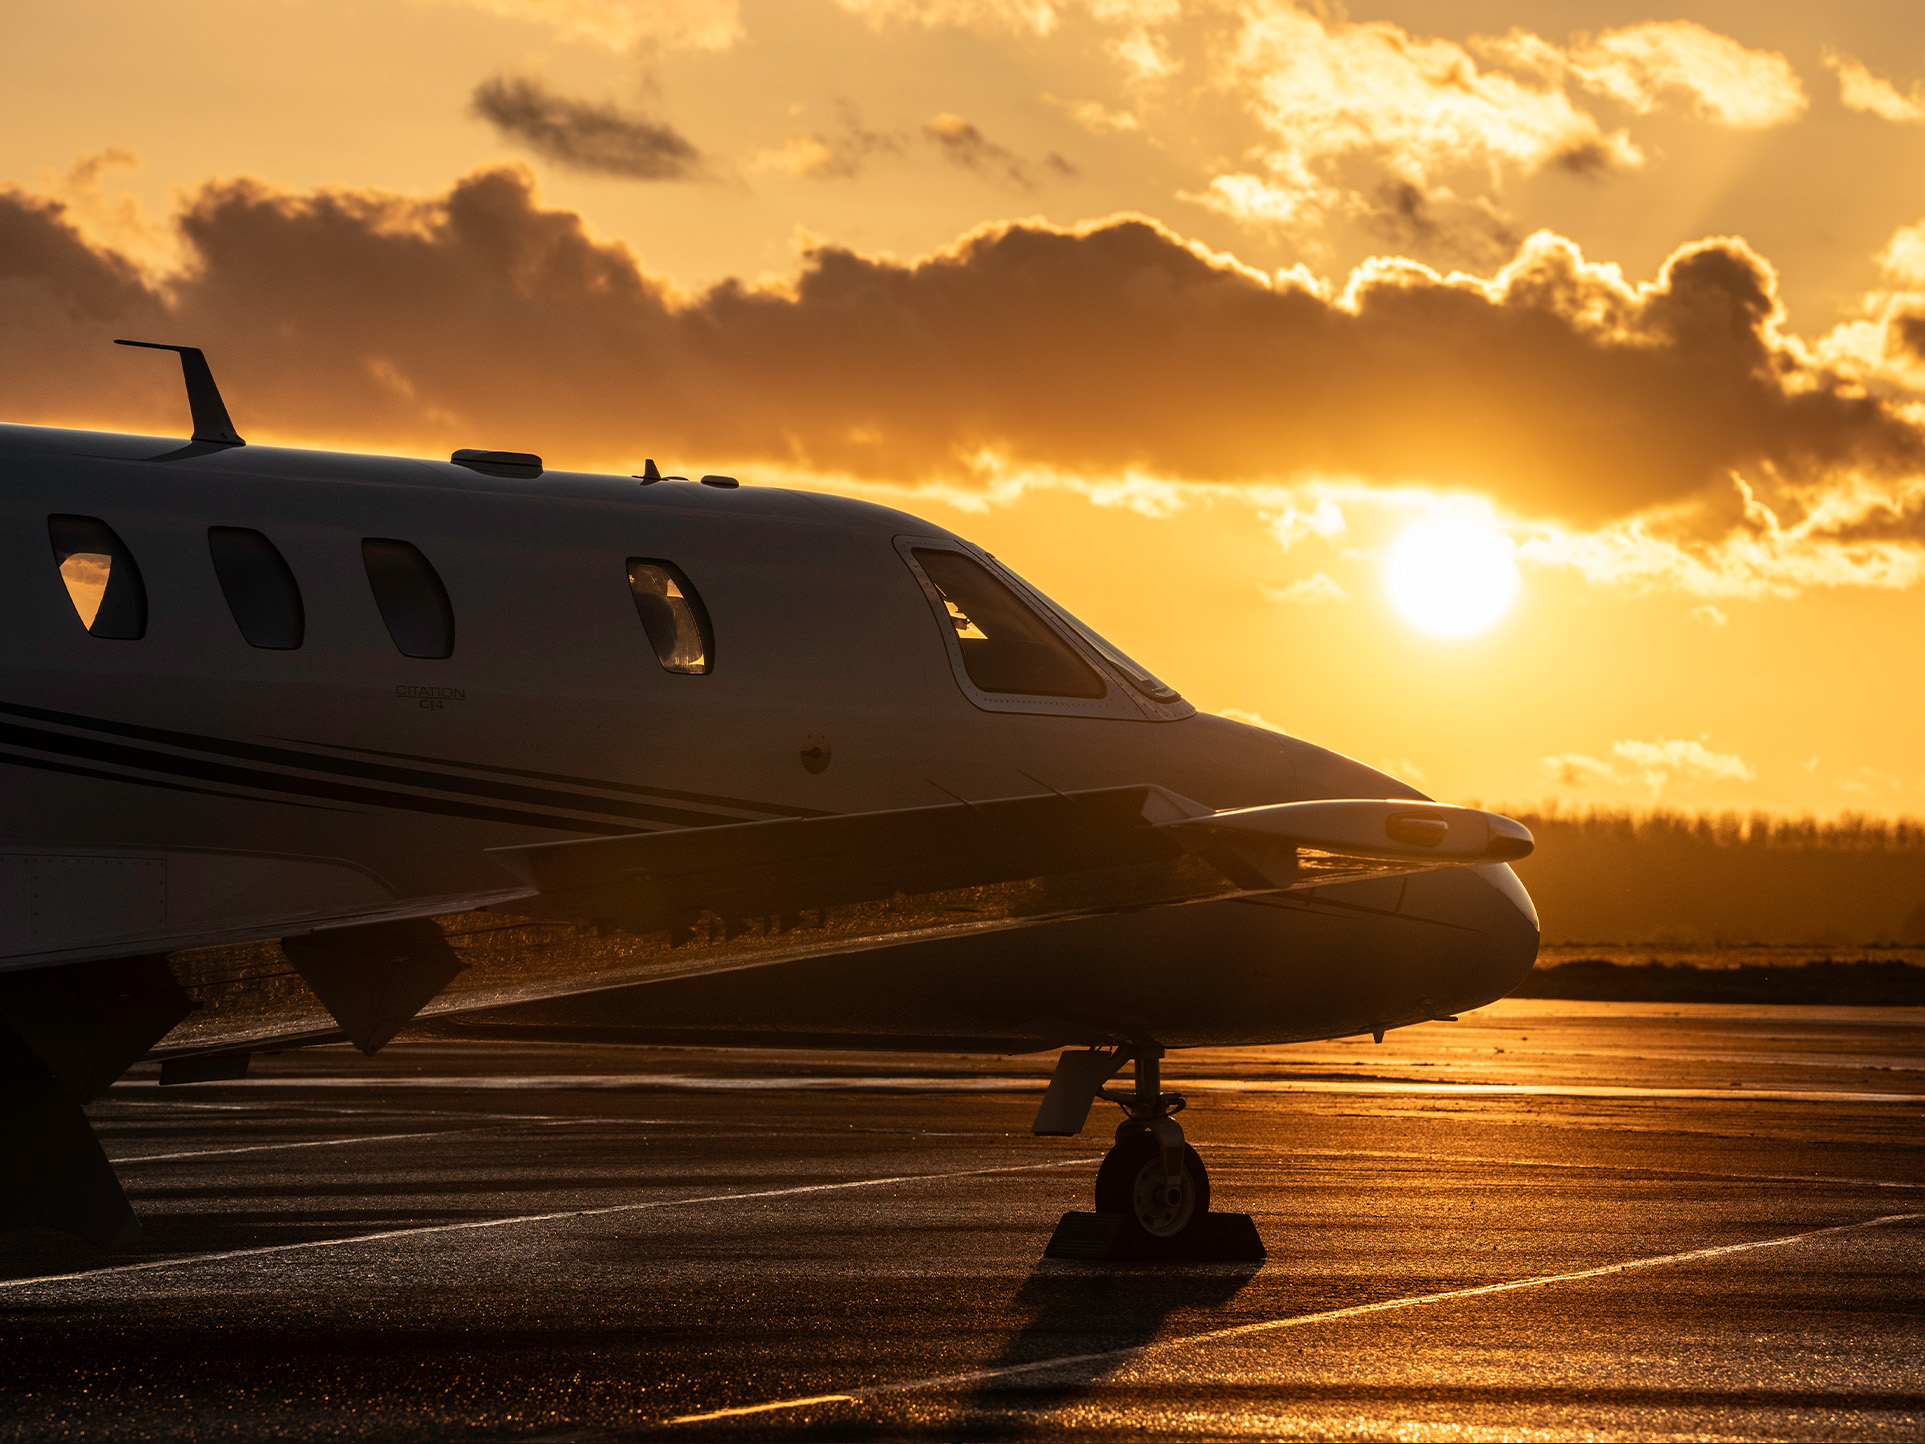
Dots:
{"x": 304, "y": 747}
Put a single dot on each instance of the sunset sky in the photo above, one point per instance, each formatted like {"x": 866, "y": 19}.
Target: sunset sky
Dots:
{"x": 1231, "y": 325}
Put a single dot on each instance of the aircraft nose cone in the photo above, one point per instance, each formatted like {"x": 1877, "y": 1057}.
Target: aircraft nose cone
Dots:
{"x": 1507, "y": 885}
{"x": 1487, "y": 943}
{"x": 1511, "y": 926}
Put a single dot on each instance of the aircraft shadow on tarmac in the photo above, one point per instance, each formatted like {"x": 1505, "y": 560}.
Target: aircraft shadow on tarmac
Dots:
{"x": 1079, "y": 1308}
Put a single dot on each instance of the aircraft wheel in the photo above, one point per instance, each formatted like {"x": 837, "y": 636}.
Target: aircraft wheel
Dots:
{"x": 1130, "y": 1182}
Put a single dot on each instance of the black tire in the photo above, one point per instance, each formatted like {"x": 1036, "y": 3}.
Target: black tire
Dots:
{"x": 1130, "y": 1182}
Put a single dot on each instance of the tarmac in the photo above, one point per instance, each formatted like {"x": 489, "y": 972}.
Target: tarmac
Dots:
{"x": 1548, "y": 1220}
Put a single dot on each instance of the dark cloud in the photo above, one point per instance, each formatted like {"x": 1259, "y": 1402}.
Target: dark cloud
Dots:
{"x": 481, "y": 318}
{"x": 583, "y": 135}
{"x": 1910, "y": 331}
{"x": 40, "y": 248}
{"x": 963, "y": 144}
{"x": 1592, "y": 159}
{"x": 63, "y": 299}
{"x": 1441, "y": 225}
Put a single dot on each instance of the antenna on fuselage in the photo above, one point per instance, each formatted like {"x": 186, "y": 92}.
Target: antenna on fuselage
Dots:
{"x": 211, "y": 423}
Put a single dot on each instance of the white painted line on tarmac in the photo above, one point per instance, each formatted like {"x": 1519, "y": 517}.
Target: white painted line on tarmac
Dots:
{"x": 1732, "y": 1093}
{"x": 851, "y": 1397}
{"x": 328, "y": 1142}
{"x": 474, "y": 1225}
{"x": 272, "y": 1147}
{"x": 679, "y": 1082}
{"x": 1431, "y": 1159}
{"x": 911, "y": 1083}
{"x": 103, "y": 1111}
{"x": 1294, "y": 1321}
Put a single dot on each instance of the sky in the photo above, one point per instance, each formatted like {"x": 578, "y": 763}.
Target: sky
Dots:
{"x": 1527, "y": 399}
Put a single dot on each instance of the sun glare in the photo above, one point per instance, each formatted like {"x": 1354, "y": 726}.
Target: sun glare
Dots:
{"x": 1452, "y": 576}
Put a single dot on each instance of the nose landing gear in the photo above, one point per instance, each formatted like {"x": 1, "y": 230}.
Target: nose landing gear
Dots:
{"x": 1152, "y": 1192}
{"x": 1152, "y": 1178}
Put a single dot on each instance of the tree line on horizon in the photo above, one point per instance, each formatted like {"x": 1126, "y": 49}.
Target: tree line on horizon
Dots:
{"x": 1672, "y": 878}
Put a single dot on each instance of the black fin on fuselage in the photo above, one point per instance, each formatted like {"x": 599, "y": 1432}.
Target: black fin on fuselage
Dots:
{"x": 212, "y": 425}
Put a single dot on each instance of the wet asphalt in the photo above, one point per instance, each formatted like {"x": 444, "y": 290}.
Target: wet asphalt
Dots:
{"x": 1555, "y": 1220}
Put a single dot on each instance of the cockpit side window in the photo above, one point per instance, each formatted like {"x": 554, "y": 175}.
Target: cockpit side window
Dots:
{"x": 1006, "y": 647}
{"x": 673, "y": 616}
{"x": 259, "y": 586}
{"x": 102, "y": 581}
{"x": 414, "y": 605}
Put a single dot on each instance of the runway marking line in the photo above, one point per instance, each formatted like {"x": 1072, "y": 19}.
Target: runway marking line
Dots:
{"x": 1294, "y": 1321}
{"x": 271, "y": 1147}
{"x": 1425, "y": 1158}
{"x": 329, "y": 1142}
{"x": 931, "y": 1133}
{"x": 922, "y": 1083}
{"x": 107, "y": 1114}
{"x": 1435, "y": 1158}
{"x": 471, "y": 1225}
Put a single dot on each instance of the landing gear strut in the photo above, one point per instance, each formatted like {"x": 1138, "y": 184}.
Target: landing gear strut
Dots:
{"x": 1152, "y": 1178}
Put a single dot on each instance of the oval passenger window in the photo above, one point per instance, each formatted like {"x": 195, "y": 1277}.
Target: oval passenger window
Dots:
{"x": 260, "y": 589}
{"x": 413, "y": 603}
{"x": 1005, "y": 646}
{"x": 100, "y": 576}
{"x": 673, "y": 616}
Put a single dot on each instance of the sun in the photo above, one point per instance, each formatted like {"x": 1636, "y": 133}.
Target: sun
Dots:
{"x": 1452, "y": 576}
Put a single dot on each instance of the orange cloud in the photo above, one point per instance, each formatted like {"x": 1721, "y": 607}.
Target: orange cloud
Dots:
{"x": 1657, "y": 764}
{"x": 1357, "y": 111}
{"x": 1035, "y": 17}
{"x": 1853, "y": 534}
{"x": 479, "y": 317}
{"x": 1884, "y": 344}
{"x": 1860, "y": 89}
{"x": 1642, "y": 66}
{"x": 1335, "y": 96}
{"x": 1308, "y": 591}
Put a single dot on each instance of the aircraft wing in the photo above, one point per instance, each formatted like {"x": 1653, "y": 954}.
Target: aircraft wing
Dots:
{"x": 611, "y": 912}
{"x": 665, "y": 879}
{"x": 268, "y": 926}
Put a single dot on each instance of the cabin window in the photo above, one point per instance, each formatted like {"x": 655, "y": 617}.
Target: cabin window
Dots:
{"x": 259, "y": 587}
{"x": 413, "y": 603}
{"x": 101, "y": 579}
{"x": 673, "y": 616}
{"x": 1005, "y": 646}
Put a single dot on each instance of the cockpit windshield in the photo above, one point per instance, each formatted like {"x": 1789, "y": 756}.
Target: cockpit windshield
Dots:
{"x": 1006, "y": 647}
{"x": 1140, "y": 677}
